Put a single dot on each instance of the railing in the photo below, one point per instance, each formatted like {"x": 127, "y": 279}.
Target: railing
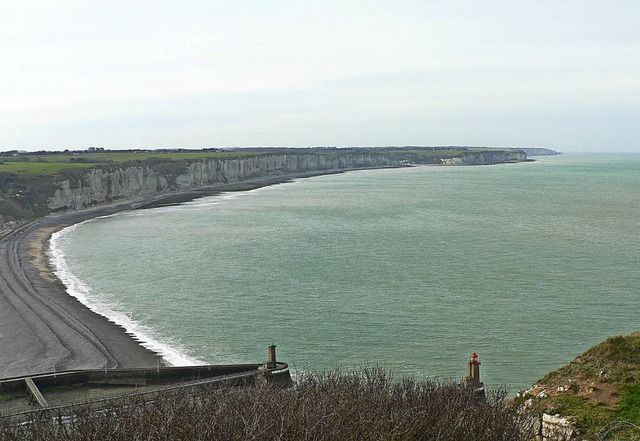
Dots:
{"x": 66, "y": 412}
{"x": 615, "y": 426}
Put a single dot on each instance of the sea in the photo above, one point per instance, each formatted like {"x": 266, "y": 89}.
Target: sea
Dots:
{"x": 412, "y": 269}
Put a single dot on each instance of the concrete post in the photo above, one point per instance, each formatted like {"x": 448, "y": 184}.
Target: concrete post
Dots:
{"x": 271, "y": 360}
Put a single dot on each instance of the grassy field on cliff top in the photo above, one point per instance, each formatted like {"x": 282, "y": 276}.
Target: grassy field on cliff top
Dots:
{"x": 52, "y": 162}
{"x": 27, "y": 179}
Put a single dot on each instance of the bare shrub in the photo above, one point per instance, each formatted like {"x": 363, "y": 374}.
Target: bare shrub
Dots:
{"x": 365, "y": 405}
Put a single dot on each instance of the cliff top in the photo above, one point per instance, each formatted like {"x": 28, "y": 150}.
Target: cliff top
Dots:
{"x": 600, "y": 387}
{"x": 28, "y": 181}
{"x": 29, "y": 163}
{"x": 539, "y": 151}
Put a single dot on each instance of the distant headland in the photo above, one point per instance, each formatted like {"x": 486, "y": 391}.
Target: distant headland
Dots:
{"x": 39, "y": 183}
{"x": 538, "y": 151}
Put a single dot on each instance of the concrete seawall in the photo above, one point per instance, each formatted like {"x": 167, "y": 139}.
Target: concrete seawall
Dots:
{"x": 62, "y": 392}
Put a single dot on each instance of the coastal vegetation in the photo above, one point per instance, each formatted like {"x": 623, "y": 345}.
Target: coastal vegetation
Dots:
{"x": 598, "y": 393}
{"x": 600, "y": 389}
{"x": 44, "y": 161}
{"x": 368, "y": 404}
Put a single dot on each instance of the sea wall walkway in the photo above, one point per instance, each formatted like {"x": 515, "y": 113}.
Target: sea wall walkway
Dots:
{"x": 63, "y": 392}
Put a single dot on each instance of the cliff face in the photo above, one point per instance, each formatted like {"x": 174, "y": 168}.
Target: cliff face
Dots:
{"x": 539, "y": 151}
{"x": 98, "y": 186}
{"x": 104, "y": 185}
{"x": 485, "y": 157}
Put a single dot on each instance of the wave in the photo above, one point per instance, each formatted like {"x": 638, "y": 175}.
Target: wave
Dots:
{"x": 226, "y": 197}
{"x": 171, "y": 352}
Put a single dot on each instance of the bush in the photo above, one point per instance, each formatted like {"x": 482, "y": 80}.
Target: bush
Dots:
{"x": 365, "y": 405}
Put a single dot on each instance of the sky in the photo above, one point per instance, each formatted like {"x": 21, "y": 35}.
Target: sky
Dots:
{"x": 208, "y": 73}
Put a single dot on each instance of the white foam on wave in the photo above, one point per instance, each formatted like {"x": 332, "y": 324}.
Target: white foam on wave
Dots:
{"x": 223, "y": 197}
{"x": 169, "y": 351}
{"x": 210, "y": 200}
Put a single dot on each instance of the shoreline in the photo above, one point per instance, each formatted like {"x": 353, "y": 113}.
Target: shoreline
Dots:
{"x": 45, "y": 329}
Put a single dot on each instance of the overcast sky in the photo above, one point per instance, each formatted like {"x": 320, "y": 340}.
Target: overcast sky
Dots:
{"x": 209, "y": 73}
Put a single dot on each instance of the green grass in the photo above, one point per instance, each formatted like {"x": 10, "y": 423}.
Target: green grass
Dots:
{"x": 141, "y": 155}
{"x": 628, "y": 407}
{"x": 615, "y": 363}
{"x": 31, "y": 168}
{"x": 54, "y": 162}
{"x": 594, "y": 418}
{"x": 591, "y": 417}
{"x": 616, "y": 360}
{"x": 58, "y": 160}
{"x": 440, "y": 153}
{"x": 118, "y": 156}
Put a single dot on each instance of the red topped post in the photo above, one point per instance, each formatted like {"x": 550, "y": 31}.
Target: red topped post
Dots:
{"x": 474, "y": 368}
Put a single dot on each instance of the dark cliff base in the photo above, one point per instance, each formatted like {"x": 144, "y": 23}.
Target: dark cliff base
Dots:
{"x": 179, "y": 197}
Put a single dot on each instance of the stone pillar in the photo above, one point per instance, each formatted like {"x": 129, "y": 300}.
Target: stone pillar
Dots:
{"x": 271, "y": 360}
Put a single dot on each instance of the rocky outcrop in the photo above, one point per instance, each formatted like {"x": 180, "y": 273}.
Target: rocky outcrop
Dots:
{"x": 587, "y": 398}
{"x": 558, "y": 428}
{"x": 107, "y": 184}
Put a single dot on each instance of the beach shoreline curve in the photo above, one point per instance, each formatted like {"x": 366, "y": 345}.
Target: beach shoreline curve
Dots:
{"x": 43, "y": 328}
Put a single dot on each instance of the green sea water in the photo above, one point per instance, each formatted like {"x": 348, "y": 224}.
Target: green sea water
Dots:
{"x": 526, "y": 264}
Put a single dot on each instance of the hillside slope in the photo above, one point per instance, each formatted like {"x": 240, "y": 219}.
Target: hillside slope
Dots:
{"x": 601, "y": 388}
